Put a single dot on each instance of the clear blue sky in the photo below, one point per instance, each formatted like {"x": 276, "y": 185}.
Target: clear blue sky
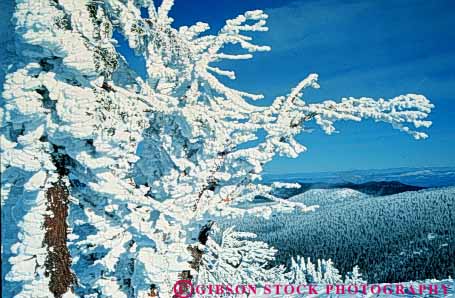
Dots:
{"x": 360, "y": 48}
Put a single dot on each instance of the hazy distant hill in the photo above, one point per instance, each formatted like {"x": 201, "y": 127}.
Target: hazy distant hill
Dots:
{"x": 425, "y": 177}
{"x": 401, "y": 237}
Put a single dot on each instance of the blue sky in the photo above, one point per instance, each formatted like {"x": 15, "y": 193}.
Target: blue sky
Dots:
{"x": 359, "y": 48}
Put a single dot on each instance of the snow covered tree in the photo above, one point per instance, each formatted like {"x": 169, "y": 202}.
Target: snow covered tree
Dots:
{"x": 330, "y": 274}
{"x": 324, "y": 272}
{"x": 298, "y": 271}
{"x": 354, "y": 277}
{"x": 234, "y": 258}
{"x": 140, "y": 165}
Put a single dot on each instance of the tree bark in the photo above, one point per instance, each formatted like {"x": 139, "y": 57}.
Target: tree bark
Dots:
{"x": 58, "y": 262}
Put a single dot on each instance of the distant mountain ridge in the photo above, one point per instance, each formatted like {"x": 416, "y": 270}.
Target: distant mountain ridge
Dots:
{"x": 380, "y": 188}
{"x": 423, "y": 177}
{"x": 374, "y": 188}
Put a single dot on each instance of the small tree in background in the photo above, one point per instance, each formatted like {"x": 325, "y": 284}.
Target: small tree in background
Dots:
{"x": 354, "y": 277}
{"x": 147, "y": 163}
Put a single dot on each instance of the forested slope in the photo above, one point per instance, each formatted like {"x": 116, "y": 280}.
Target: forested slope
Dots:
{"x": 406, "y": 236}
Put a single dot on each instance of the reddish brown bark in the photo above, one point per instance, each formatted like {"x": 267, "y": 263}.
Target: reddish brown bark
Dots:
{"x": 58, "y": 261}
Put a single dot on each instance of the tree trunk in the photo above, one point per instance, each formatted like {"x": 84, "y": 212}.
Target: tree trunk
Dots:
{"x": 58, "y": 262}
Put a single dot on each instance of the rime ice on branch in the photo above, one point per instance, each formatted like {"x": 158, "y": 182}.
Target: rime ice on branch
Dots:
{"x": 148, "y": 161}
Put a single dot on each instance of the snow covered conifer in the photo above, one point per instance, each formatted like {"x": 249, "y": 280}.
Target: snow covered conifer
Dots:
{"x": 235, "y": 259}
{"x": 142, "y": 165}
{"x": 354, "y": 277}
{"x": 324, "y": 272}
{"x": 313, "y": 275}
{"x": 330, "y": 274}
{"x": 298, "y": 271}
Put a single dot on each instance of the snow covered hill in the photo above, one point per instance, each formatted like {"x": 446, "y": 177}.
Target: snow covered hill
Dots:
{"x": 402, "y": 237}
{"x": 324, "y": 197}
